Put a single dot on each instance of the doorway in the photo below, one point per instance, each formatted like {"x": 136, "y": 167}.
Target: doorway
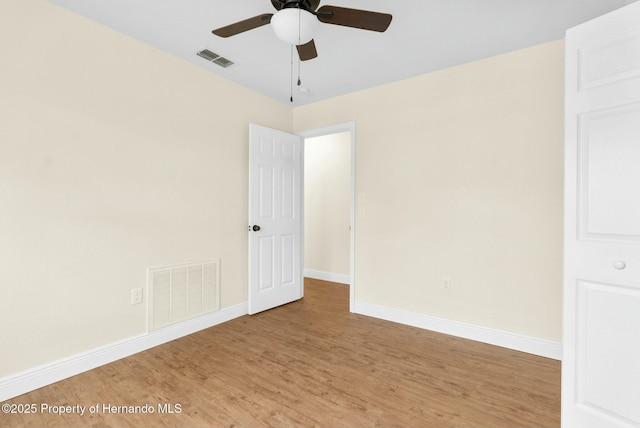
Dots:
{"x": 329, "y": 205}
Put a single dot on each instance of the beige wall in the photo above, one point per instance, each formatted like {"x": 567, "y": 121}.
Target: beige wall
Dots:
{"x": 114, "y": 157}
{"x": 327, "y": 203}
{"x": 461, "y": 172}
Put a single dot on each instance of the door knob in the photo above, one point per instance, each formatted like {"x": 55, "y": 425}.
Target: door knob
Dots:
{"x": 619, "y": 264}
{"x": 256, "y": 228}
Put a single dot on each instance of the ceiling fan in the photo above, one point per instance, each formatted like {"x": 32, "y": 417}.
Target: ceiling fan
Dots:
{"x": 295, "y": 21}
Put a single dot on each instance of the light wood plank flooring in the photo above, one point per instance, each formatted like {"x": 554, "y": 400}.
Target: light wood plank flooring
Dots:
{"x": 312, "y": 364}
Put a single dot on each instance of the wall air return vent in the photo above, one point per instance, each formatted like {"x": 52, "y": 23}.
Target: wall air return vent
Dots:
{"x": 177, "y": 293}
{"x": 215, "y": 58}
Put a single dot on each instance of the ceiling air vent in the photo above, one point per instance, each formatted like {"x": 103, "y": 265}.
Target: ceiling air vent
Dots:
{"x": 223, "y": 62}
{"x": 208, "y": 55}
{"x": 215, "y": 58}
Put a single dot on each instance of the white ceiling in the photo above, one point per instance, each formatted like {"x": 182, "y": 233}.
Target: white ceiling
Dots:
{"x": 424, "y": 36}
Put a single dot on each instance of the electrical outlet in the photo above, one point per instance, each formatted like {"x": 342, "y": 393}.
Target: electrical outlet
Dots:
{"x": 136, "y": 296}
{"x": 446, "y": 284}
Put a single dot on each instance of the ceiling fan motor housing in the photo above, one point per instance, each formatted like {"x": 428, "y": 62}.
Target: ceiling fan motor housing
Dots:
{"x": 308, "y": 5}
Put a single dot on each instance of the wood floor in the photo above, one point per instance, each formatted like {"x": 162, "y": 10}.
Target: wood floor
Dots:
{"x": 310, "y": 364}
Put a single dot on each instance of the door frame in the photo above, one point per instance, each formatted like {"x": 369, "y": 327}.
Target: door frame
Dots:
{"x": 328, "y": 130}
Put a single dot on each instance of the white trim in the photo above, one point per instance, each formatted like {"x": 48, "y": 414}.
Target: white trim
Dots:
{"x": 29, "y": 380}
{"x": 505, "y": 339}
{"x": 328, "y": 276}
{"x": 352, "y": 262}
{"x": 334, "y": 129}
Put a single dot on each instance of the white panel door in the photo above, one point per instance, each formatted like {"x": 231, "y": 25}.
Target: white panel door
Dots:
{"x": 601, "y": 361}
{"x": 275, "y": 218}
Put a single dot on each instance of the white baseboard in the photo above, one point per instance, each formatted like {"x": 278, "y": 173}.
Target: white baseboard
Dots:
{"x": 518, "y": 342}
{"x": 328, "y": 276}
{"x": 29, "y": 380}
{"x": 23, "y": 382}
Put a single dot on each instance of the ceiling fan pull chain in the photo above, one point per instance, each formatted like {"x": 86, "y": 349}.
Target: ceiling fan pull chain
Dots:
{"x": 299, "y": 81}
{"x": 299, "y": 25}
{"x": 291, "y": 75}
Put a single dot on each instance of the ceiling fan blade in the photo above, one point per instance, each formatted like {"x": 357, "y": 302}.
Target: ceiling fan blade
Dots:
{"x": 307, "y": 51}
{"x": 355, "y": 18}
{"x": 242, "y": 26}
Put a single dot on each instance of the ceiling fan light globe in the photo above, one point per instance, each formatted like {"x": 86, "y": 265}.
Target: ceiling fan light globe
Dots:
{"x": 294, "y": 26}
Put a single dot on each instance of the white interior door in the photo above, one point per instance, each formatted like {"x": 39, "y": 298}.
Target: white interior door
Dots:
{"x": 275, "y": 218}
{"x": 601, "y": 361}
